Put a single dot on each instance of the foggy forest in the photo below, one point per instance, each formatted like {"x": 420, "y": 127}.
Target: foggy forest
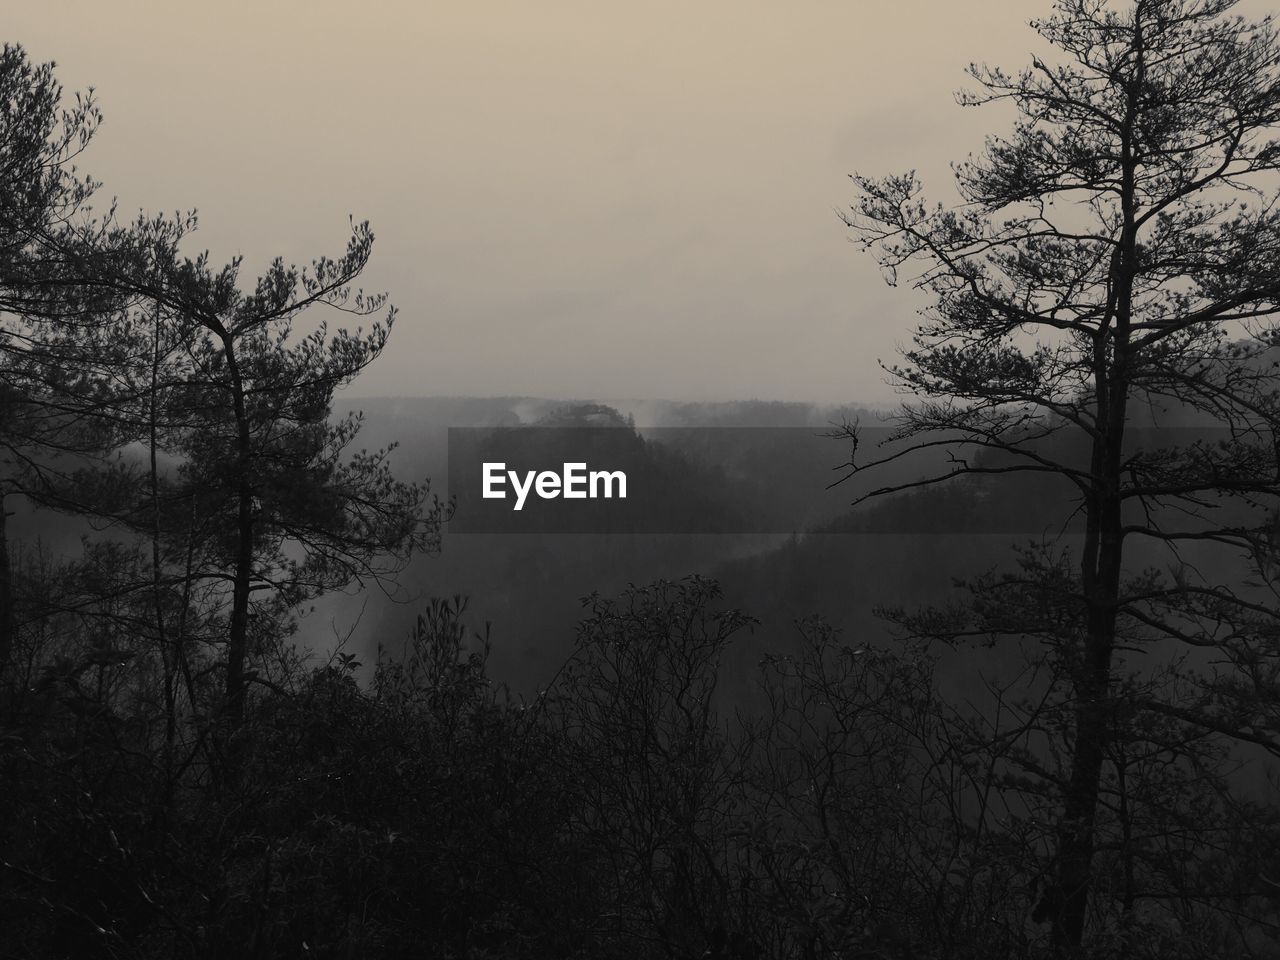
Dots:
{"x": 988, "y": 670}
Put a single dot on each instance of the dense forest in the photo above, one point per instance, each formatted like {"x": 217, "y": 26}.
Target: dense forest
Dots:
{"x": 993, "y": 675}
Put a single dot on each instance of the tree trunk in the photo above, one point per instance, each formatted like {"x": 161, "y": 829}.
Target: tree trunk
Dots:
{"x": 237, "y": 639}
{"x": 1103, "y": 554}
{"x": 7, "y": 619}
{"x": 167, "y": 655}
{"x": 1076, "y": 830}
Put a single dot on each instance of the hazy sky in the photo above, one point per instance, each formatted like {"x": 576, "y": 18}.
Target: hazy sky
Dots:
{"x": 576, "y": 199}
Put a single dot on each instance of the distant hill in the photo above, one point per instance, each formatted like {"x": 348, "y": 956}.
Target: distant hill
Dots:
{"x": 728, "y": 461}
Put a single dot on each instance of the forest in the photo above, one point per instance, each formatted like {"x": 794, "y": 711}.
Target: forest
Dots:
{"x": 994, "y": 674}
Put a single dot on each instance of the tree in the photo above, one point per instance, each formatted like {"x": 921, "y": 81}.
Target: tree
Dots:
{"x": 1116, "y": 257}
{"x": 283, "y": 508}
{"x": 40, "y": 192}
{"x": 637, "y": 709}
{"x": 44, "y": 320}
{"x": 70, "y": 336}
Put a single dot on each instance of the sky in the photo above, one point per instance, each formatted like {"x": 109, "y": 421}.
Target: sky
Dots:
{"x": 571, "y": 198}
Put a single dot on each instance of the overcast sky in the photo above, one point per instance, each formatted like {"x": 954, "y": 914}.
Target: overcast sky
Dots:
{"x": 574, "y": 199}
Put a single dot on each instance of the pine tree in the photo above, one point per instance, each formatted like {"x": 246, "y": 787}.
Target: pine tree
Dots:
{"x": 1116, "y": 257}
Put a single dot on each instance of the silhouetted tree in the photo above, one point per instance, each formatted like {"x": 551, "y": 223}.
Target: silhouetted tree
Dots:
{"x": 637, "y": 708}
{"x": 286, "y": 510}
{"x": 1116, "y": 256}
{"x": 44, "y": 319}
